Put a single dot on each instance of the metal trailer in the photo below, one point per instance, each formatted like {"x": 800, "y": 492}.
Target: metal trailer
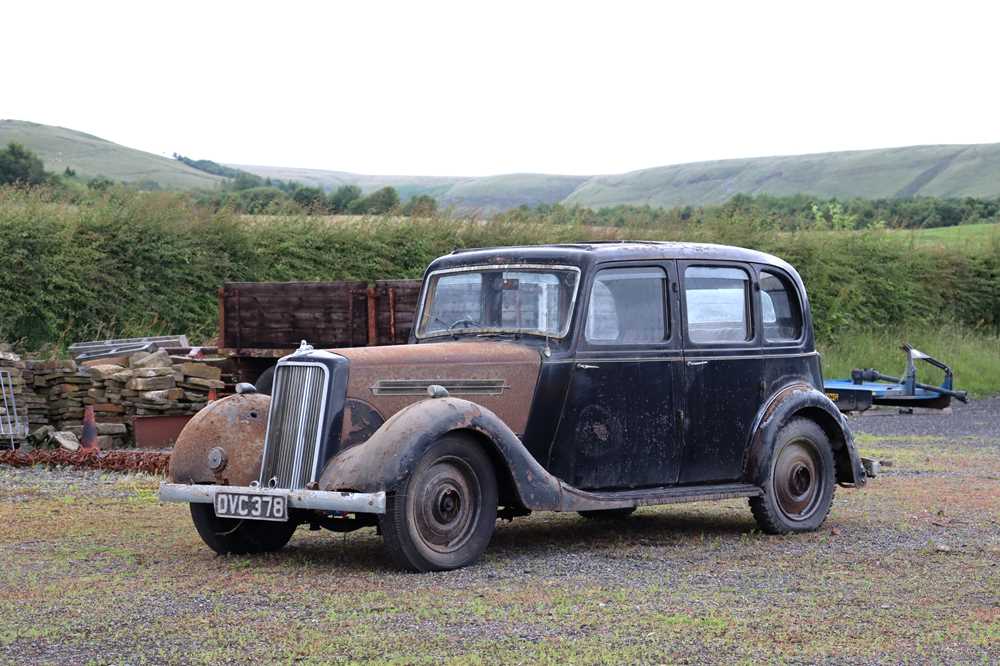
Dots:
{"x": 868, "y": 387}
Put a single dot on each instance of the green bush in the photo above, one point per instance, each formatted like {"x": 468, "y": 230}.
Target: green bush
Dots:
{"x": 121, "y": 262}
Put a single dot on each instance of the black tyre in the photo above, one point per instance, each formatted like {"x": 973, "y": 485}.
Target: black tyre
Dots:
{"x": 443, "y": 515}
{"x": 265, "y": 382}
{"x": 608, "y": 514}
{"x": 798, "y": 491}
{"x": 239, "y": 537}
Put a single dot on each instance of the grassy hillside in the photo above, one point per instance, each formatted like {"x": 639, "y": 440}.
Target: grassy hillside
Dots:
{"x": 91, "y": 156}
{"x": 329, "y": 180}
{"x": 486, "y": 194}
{"x": 492, "y": 193}
{"x": 924, "y": 171}
{"x": 942, "y": 171}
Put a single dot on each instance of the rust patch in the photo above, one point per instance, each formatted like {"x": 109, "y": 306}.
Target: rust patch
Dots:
{"x": 236, "y": 424}
{"x": 516, "y": 366}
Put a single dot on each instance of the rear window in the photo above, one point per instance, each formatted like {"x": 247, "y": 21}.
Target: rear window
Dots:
{"x": 780, "y": 307}
{"x": 717, "y": 300}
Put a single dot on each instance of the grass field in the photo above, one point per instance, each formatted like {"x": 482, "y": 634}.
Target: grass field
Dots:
{"x": 905, "y": 571}
{"x": 974, "y": 235}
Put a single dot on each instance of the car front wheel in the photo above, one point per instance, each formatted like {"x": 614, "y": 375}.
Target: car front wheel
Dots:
{"x": 443, "y": 515}
{"x": 798, "y": 491}
{"x": 239, "y": 537}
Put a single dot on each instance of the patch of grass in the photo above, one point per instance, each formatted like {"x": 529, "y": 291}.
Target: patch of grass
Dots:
{"x": 963, "y": 235}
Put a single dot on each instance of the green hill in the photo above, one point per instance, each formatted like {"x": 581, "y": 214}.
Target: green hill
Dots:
{"x": 942, "y": 171}
{"x": 939, "y": 171}
{"x": 486, "y": 194}
{"x": 330, "y": 180}
{"x": 91, "y": 156}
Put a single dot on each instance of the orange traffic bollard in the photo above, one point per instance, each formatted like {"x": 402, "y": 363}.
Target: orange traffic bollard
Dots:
{"x": 89, "y": 439}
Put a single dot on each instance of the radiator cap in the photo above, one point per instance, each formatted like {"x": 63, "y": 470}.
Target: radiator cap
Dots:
{"x": 437, "y": 391}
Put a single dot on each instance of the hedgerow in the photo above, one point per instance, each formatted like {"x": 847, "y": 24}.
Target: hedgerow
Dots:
{"x": 124, "y": 263}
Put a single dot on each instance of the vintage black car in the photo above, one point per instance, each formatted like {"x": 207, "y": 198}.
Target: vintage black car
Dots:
{"x": 590, "y": 377}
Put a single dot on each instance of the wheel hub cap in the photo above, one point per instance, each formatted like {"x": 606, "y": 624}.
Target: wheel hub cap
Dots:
{"x": 446, "y": 509}
{"x": 798, "y": 487}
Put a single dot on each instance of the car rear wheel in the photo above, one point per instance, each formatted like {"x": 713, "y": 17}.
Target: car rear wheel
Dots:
{"x": 443, "y": 515}
{"x": 608, "y": 514}
{"x": 239, "y": 537}
{"x": 798, "y": 492}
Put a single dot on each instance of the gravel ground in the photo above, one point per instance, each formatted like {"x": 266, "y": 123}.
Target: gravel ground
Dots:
{"x": 906, "y": 570}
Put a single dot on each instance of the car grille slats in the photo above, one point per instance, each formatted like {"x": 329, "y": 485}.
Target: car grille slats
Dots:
{"x": 294, "y": 428}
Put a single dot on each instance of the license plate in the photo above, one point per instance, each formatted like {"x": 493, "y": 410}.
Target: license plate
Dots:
{"x": 248, "y": 505}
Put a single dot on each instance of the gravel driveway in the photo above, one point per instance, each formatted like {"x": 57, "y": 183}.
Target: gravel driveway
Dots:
{"x": 95, "y": 570}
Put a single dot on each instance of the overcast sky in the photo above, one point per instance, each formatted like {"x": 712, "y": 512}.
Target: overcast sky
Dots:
{"x": 476, "y": 88}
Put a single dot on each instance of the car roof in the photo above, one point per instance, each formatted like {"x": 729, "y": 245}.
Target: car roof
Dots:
{"x": 593, "y": 252}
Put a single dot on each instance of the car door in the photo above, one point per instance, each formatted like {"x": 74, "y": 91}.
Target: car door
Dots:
{"x": 722, "y": 368}
{"x": 619, "y": 423}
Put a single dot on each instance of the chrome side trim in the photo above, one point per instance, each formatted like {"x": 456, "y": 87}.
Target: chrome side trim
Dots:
{"x": 321, "y": 500}
{"x": 455, "y": 386}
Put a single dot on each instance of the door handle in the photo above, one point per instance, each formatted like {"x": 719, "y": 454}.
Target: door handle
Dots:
{"x": 691, "y": 364}
{"x": 587, "y": 366}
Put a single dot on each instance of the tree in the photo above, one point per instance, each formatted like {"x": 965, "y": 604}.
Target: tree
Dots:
{"x": 310, "y": 198}
{"x": 257, "y": 200}
{"x": 422, "y": 205}
{"x": 100, "y": 183}
{"x": 381, "y": 201}
{"x": 18, "y": 165}
{"x": 340, "y": 200}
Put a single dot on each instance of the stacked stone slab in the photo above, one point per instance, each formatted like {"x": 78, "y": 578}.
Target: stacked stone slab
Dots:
{"x": 35, "y": 403}
{"x": 13, "y": 410}
{"x": 64, "y": 387}
{"x": 160, "y": 385}
{"x": 52, "y": 395}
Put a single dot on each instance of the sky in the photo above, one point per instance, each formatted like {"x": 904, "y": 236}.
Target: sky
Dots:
{"x": 478, "y": 88}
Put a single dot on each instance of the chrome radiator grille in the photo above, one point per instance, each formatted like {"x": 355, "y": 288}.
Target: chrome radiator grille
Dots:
{"x": 294, "y": 426}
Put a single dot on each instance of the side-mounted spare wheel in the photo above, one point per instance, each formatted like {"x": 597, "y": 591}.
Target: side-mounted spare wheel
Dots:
{"x": 798, "y": 490}
{"x": 265, "y": 382}
{"x": 443, "y": 514}
{"x": 239, "y": 537}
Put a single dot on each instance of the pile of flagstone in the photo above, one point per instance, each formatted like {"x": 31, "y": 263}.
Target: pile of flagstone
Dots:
{"x": 52, "y": 395}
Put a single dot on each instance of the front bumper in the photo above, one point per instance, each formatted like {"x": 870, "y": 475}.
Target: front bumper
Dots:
{"x": 300, "y": 499}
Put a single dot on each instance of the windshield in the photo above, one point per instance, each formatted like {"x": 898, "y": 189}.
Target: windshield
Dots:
{"x": 521, "y": 299}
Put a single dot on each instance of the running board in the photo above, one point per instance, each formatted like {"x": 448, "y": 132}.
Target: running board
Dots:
{"x": 574, "y": 499}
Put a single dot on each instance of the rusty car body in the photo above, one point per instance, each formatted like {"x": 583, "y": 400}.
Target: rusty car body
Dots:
{"x": 592, "y": 377}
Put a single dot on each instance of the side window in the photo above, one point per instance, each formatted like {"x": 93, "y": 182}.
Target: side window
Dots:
{"x": 780, "y": 305}
{"x": 628, "y": 306}
{"x": 717, "y": 300}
